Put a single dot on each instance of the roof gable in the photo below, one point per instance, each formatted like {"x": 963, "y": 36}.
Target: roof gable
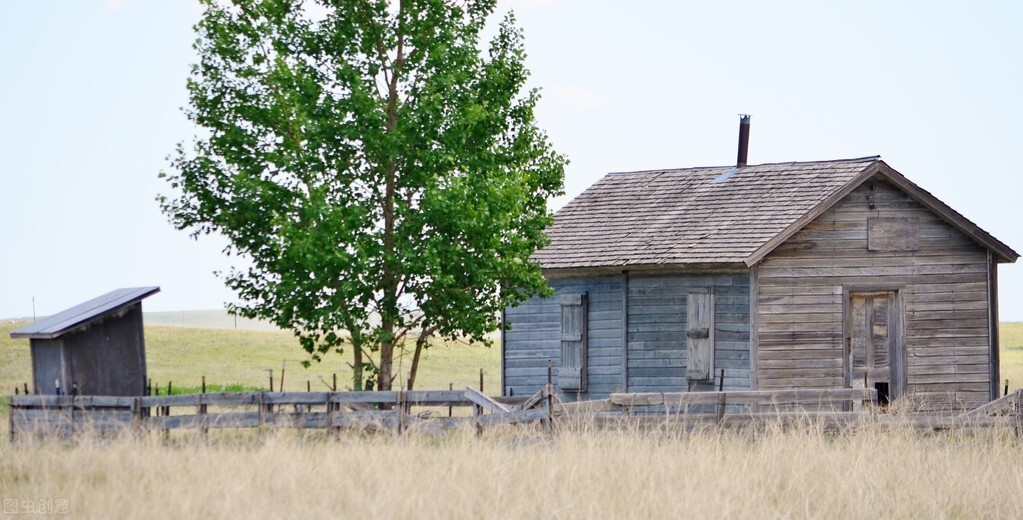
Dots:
{"x": 84, "y": 313}
{"x": 715, "y": 215}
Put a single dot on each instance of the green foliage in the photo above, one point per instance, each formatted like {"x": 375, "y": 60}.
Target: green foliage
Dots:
{"x": 379, "y": 175}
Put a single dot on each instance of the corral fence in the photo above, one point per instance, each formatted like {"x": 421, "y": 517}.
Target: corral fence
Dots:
{"x": 391, "y": 411}
{"x": 431, "y": 411}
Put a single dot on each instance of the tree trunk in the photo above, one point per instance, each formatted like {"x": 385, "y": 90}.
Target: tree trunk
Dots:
{"x": 421, "y": 341}
{"x": 357, "y": 368}
{"x": 391, "y": 267}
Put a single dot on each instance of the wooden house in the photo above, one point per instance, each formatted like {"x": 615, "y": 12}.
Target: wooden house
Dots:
{"x": 95, "y": 348}
{"x": 829, "y": 274}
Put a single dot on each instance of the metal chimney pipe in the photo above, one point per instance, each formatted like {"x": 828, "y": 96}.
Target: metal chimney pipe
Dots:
{"x": 740, "y": 160}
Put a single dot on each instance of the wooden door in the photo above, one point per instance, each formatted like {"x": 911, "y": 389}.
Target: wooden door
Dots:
{"x": 875, "y": 353}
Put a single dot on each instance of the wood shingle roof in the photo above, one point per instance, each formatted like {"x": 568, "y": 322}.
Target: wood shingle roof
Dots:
{"x": 712, "y": 215}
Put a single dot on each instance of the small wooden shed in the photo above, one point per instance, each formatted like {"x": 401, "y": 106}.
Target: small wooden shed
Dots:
{"x": 96, "y": 348}
{"x": 828, "y": 274}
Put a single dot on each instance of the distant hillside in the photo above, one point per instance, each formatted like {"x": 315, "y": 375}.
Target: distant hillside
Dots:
{"x": 213, "y": 319}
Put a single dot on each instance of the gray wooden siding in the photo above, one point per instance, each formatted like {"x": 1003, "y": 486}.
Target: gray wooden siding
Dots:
{"x": 657, "y": 331}
{"x": 535, "y": 338}
{"x": 943, "y": 289}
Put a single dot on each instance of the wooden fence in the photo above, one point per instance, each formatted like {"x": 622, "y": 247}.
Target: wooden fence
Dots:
{"x": 396, "y": 411}
{"x": 333, "y": 411}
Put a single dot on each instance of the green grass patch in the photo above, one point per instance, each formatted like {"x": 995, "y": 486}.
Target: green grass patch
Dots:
{"x": 243, "y": 359}
{"x": 1010, "y": 337}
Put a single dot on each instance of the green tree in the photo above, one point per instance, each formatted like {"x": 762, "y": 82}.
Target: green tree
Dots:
{"x": 381, "y": 175}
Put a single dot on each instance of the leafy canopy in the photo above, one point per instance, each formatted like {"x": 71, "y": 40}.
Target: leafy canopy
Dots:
{"x": 383, "y": 178}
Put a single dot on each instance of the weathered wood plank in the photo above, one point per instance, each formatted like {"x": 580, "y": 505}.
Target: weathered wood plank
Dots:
{"x": 365, "y": 397}
{"x": 511, "y": 417}
{"x": 483, "y": 400}
{"x": 746, "y": 396}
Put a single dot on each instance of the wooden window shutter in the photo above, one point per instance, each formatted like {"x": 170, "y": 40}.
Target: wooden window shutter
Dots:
{"x": 700, "y": 335}
{"x": 572, "y": 372}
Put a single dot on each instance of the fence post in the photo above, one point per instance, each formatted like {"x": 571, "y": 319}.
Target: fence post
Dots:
{"x": 1019, "y": 413}
{"x": 399, "y": 410}
{"x": 477, "y": 411}
{"x": 201, "y": 416}
{"x": 136, "y": 416}
{"x": 10, "y": 421}
{"x": 261, "y": 417}
{"x": 721, "y": 407}
{"x": 549, "y": 390}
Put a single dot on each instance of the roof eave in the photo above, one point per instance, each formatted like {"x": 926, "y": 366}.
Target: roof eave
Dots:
{"x": 149, "y": 291}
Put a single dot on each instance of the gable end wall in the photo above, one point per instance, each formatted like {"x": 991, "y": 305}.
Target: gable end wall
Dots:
{"x": 943, "y": 289}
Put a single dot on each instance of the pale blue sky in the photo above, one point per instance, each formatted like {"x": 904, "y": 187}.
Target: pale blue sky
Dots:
{"x": 91, "y": 91}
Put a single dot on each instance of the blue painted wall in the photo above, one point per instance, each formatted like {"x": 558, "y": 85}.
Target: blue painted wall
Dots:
{"x": 656, "y": 336}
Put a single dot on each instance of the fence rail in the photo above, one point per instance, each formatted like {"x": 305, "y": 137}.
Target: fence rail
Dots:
{"x": 385, "y": 411}
{"x": 393, "y": 411}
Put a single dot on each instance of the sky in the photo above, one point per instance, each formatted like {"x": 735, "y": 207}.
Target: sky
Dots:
{"x": 91, "y": 94}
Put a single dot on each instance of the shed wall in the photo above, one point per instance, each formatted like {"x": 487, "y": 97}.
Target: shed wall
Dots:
{"x": 657, "y": 331}
{"x": 656, "y": 336}
{"x": 943, "y": 288}
{"x": 108, "y": 356}
{"x": 535, "y": 338}
{"x": 48, "y": 366}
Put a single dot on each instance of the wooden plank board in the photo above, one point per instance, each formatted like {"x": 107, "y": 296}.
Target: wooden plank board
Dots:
{"x": 307, "y": 398}
{"x": 746, "y": 396}
{"x": 484, "y": 401}
{"x": 519, "y": 416}
{"x": 364, "y": 397}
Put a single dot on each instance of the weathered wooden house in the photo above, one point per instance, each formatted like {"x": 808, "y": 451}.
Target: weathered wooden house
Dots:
{"x": 95, "y": 348}
{"x": 827, "y": 274}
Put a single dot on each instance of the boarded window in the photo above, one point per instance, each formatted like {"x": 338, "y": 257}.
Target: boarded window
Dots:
{"x": 700, "y": 335}
{"x": 893, "y": 234}
{"x": 572, "y": 373}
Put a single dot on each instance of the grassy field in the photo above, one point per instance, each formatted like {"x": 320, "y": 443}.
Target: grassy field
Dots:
{"x": 182, "y": 356}
{"x": 521, "y": 474}
{"x": 508, "y": 473}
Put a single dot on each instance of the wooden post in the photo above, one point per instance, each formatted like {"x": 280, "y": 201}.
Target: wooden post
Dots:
{"x": 1006, "y": 392}
{"x": 399, "y": 410}
{"x": 261, "y": 417}
{"x": 549, "y": 390}
{"x": 451, "y": 386}
{"x": 477, "y": 411}
{"x": 481, "y": 380}
{"x": 202, "y": 407}
{"x": 721, "y": 383}
{"x": 201, "y": 423}
{"x": 721, "y": 407}
{"x": 282, "y": 374}
{"x": 1019, "y": 414}
{"x": 334, "y": 387}
{"x": 10, "y": 423}
{"x": 26, "y": 386}
{"x": 136, "y": 415}
{"x": 170, "y": 391}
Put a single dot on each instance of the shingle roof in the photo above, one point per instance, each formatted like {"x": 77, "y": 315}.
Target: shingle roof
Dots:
{"x": 712, "y": 215}
{"x": 82, "y": 314}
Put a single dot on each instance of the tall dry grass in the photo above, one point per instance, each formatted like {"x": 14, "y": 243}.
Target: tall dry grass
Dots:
{"x": 517, "y": 473}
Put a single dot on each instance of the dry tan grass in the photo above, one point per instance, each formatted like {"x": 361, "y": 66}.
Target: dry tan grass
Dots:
{"x": 522, "y": 474}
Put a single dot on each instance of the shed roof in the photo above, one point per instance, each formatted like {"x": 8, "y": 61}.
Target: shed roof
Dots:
{"x": 83, "y": 314}
{"x": 715, "y": 215}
